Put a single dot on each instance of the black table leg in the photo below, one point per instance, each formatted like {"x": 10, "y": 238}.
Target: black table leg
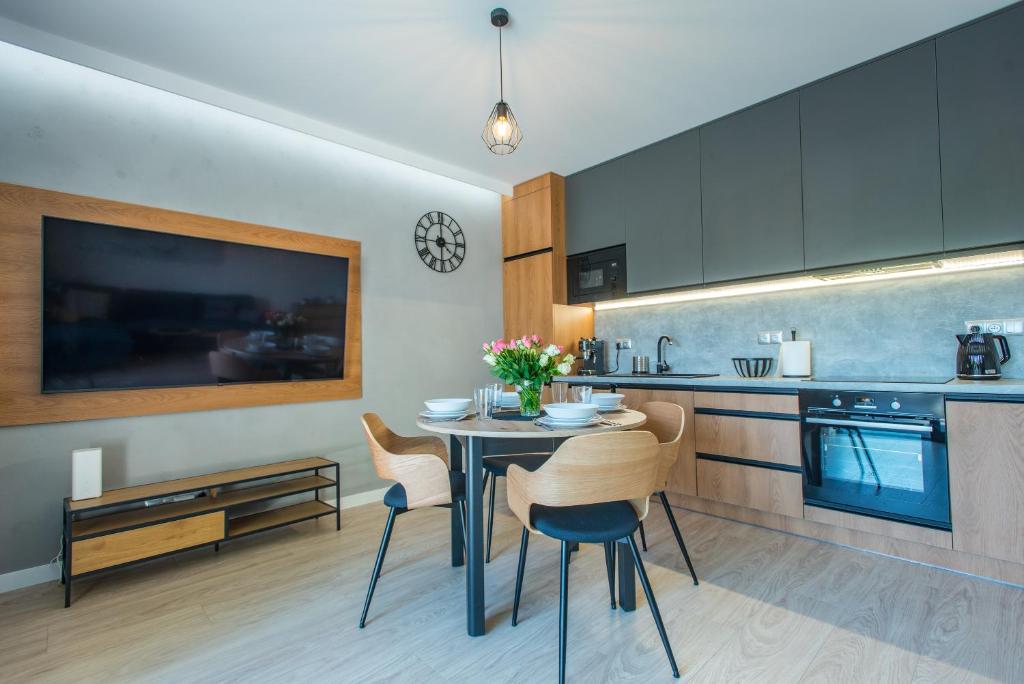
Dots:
{"x": 458, "y": 546}
{"x": 627, "y": 576}
{"x": 475, "y": 537}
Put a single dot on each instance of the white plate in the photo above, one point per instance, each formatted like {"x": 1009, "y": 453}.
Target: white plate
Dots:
{"x": 434, "y": 415}
{"x": 612, "y": 409}
{"x": 551, "y": 422}
{"x": 606, "y": 399}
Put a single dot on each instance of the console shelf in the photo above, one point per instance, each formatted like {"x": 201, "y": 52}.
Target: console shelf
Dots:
{"x": 118, "y": 528}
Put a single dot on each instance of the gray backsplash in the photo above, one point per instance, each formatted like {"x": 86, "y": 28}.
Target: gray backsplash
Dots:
{"x": 896, "y": 327}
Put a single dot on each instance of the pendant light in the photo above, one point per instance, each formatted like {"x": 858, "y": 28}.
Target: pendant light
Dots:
{"x": 501, "y": 132}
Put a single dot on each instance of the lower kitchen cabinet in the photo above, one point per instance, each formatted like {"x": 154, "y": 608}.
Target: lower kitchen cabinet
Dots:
{"x": 682, "y": 479}
{"x": 986, "y": 478}
{"x": 764, "y": 489}
{"x": 757, "y": 439}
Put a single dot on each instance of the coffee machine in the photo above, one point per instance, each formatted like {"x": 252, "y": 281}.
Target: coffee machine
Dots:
{"x": 592, "y": 351}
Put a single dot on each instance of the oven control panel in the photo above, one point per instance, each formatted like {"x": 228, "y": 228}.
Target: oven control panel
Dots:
{"x": 922, "y": 404}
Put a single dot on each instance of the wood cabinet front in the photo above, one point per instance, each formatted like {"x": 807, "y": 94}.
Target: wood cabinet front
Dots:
{"x": 986, "y": 478}
{"x": 682, "y": 479}
{"x": 764, "y": 489}
{"x": 527, "y": 296}
{"x": 754, "y": 439}
{"x": 109, "y": 550}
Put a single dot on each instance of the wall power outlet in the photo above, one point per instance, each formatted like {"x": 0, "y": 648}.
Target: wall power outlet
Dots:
{"x": 998, "y": 326}
{"x": 769, "y": 337}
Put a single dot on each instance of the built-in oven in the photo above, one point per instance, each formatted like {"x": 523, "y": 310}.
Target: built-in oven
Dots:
{"x": 881, "y": 454}
{"x": 597, "y": 276}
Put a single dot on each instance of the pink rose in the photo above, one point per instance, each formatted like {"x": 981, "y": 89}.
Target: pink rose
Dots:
{"x": 536, "y": 340}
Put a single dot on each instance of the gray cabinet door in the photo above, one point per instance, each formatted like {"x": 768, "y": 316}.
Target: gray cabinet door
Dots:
{"x": 752, "y": 214}
{"x": 981, "y": 124}
{"x": 662, "y": 203}
{"x": 871, "y": 162}
{"x": 593, "y": 208}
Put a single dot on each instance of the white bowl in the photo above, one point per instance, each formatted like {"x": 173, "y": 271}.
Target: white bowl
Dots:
{"x": 571, "y": 411}
{"x": 607, "y": 400}
{"x": 448, "y": 405}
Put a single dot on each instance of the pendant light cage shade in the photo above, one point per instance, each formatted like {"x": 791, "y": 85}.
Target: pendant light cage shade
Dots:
{"x": 502, "y": 134}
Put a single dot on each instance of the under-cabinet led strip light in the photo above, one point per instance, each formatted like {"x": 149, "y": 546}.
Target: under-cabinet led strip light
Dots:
{"x": 936, "y": 267}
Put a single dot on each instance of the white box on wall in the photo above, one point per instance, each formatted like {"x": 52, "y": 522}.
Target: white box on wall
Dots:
{"x": 86, "y": 473}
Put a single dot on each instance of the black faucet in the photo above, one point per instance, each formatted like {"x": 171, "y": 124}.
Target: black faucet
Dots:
{"x": 662, "y": 366}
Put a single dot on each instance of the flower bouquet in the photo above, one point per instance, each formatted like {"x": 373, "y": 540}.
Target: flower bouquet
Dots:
{"x": 526, "y": 362}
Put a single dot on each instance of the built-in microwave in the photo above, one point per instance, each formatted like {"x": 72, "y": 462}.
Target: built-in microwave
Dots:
{"x": 597, "y": 276}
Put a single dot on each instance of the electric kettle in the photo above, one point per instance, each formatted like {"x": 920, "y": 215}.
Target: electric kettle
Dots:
{"x": 977, "y": 357}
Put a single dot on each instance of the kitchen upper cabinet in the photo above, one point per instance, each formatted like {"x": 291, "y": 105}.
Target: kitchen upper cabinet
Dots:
{"x": 593, "y": 208}
{"x": 981, "y": 124}
{"x": 871, "y": 186}
{"x": 661, "y": 197}
{"x": 752, "y": 213}
{"x": 986, "y": 478}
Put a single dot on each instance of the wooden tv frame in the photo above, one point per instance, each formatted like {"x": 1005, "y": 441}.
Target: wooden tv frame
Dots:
{"x": 21, "y": 399}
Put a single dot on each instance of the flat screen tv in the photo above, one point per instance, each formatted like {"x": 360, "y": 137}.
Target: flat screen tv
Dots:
{"x": 126, "y": 308}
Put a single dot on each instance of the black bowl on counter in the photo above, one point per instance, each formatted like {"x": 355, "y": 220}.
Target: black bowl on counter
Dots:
{"x": 753, "y": 367}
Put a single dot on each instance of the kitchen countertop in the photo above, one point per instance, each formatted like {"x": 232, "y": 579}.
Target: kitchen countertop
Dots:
{"x": 981, "y": 387}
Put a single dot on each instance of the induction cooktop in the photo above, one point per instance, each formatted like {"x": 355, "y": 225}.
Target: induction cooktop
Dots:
{"x": 908, "y": 379}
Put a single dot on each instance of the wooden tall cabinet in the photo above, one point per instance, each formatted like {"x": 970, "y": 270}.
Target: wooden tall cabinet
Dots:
{"x": 534, "y": 269}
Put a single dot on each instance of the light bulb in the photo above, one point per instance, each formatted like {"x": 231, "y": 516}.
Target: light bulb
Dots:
{"x": 501, "y": 128}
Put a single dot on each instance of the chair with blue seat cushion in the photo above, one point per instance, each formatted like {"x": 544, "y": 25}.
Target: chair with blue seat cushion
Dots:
{"x": 667, "y": 421}
{"x": 594, "y": 489}
{"x": 420, "y": 467}
{"x": 497, "y": 466}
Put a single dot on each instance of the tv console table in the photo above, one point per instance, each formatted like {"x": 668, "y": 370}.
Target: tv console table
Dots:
{"x": 97, "y": 539}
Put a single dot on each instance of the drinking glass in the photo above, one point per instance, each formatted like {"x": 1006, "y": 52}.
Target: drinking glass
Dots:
{"x": 581, "y": 393}
{"x": 559, "y": 392}
{"x": 483, "y": 398}
{"x": 497, "y": 390}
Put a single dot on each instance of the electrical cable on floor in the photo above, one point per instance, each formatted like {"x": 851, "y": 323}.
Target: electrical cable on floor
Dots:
{"x": 59, "y": 558}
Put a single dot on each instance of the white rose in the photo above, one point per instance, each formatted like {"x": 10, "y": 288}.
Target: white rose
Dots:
{"x": 552, "y": 350}
{"x": 569, "y": 358}
{"x": 544, "y": 360}
{"x": 564, "y": 368}
{"x": 490, "y": 360}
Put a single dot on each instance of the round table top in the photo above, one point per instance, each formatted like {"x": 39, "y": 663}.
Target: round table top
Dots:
{"x": 489, "y": 427}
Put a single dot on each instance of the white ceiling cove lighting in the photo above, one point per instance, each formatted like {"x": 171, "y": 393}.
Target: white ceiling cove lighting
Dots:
{"x": 866, "y": 275}
{"x": 501, "y": 132}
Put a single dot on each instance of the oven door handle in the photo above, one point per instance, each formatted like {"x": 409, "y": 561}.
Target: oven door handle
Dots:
{"x": 896, "y": 427}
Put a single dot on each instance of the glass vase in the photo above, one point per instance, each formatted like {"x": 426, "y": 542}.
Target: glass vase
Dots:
{"x": 529, "y": 399}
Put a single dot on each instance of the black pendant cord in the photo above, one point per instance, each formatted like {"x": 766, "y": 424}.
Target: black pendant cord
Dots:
{"x": 501, "y": 70}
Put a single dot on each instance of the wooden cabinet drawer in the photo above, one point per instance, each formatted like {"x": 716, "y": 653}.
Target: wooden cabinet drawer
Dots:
{"x": 742, "y": 401}
{"x": 754, "y": 439}
{"x": 145, "y": 542}
{"x": 765, "y": 489}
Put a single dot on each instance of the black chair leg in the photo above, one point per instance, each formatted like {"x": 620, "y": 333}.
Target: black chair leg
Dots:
{"x": 388, "y": 526}
{"x": 563, "y": 611}
{"x": 609, "y": 561}
{"x": 679, "y": 536}
{"x": 490, "y": 518}
{"x": 646, "y": 583}
{"x": 519, "y": 575}
{"x": 643, "y": 537}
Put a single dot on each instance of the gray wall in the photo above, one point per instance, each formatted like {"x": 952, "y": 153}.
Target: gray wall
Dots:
{"x": 68, "y": 128}
{"x": 903, "y": 327}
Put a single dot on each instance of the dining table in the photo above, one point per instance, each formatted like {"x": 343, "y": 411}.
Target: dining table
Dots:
{"x": 473, "y": 439}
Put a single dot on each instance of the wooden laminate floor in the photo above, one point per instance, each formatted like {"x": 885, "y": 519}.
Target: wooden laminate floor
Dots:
{"x": 284, "y": 606}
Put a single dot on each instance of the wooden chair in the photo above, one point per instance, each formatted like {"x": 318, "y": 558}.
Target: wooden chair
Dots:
{"x": 420, "y": 466}
{"x": 594, "y": 489}
{"x": 667, "y": 421}
{"x": 497, "y": 466}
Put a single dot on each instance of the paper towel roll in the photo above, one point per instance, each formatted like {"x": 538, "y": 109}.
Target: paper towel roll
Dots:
{"x": 795, "y": 359}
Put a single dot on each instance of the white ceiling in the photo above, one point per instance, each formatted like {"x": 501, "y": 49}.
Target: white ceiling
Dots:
{"x": 414, "y": 80}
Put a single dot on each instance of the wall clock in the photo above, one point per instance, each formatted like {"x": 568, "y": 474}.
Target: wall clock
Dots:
{"x": 440, "y": 242}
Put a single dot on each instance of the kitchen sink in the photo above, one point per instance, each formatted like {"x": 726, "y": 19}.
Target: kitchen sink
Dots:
{"x": 658, "y": 375}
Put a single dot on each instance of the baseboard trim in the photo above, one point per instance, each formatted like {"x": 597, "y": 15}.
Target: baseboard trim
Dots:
{"x": 40, "y": 574}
